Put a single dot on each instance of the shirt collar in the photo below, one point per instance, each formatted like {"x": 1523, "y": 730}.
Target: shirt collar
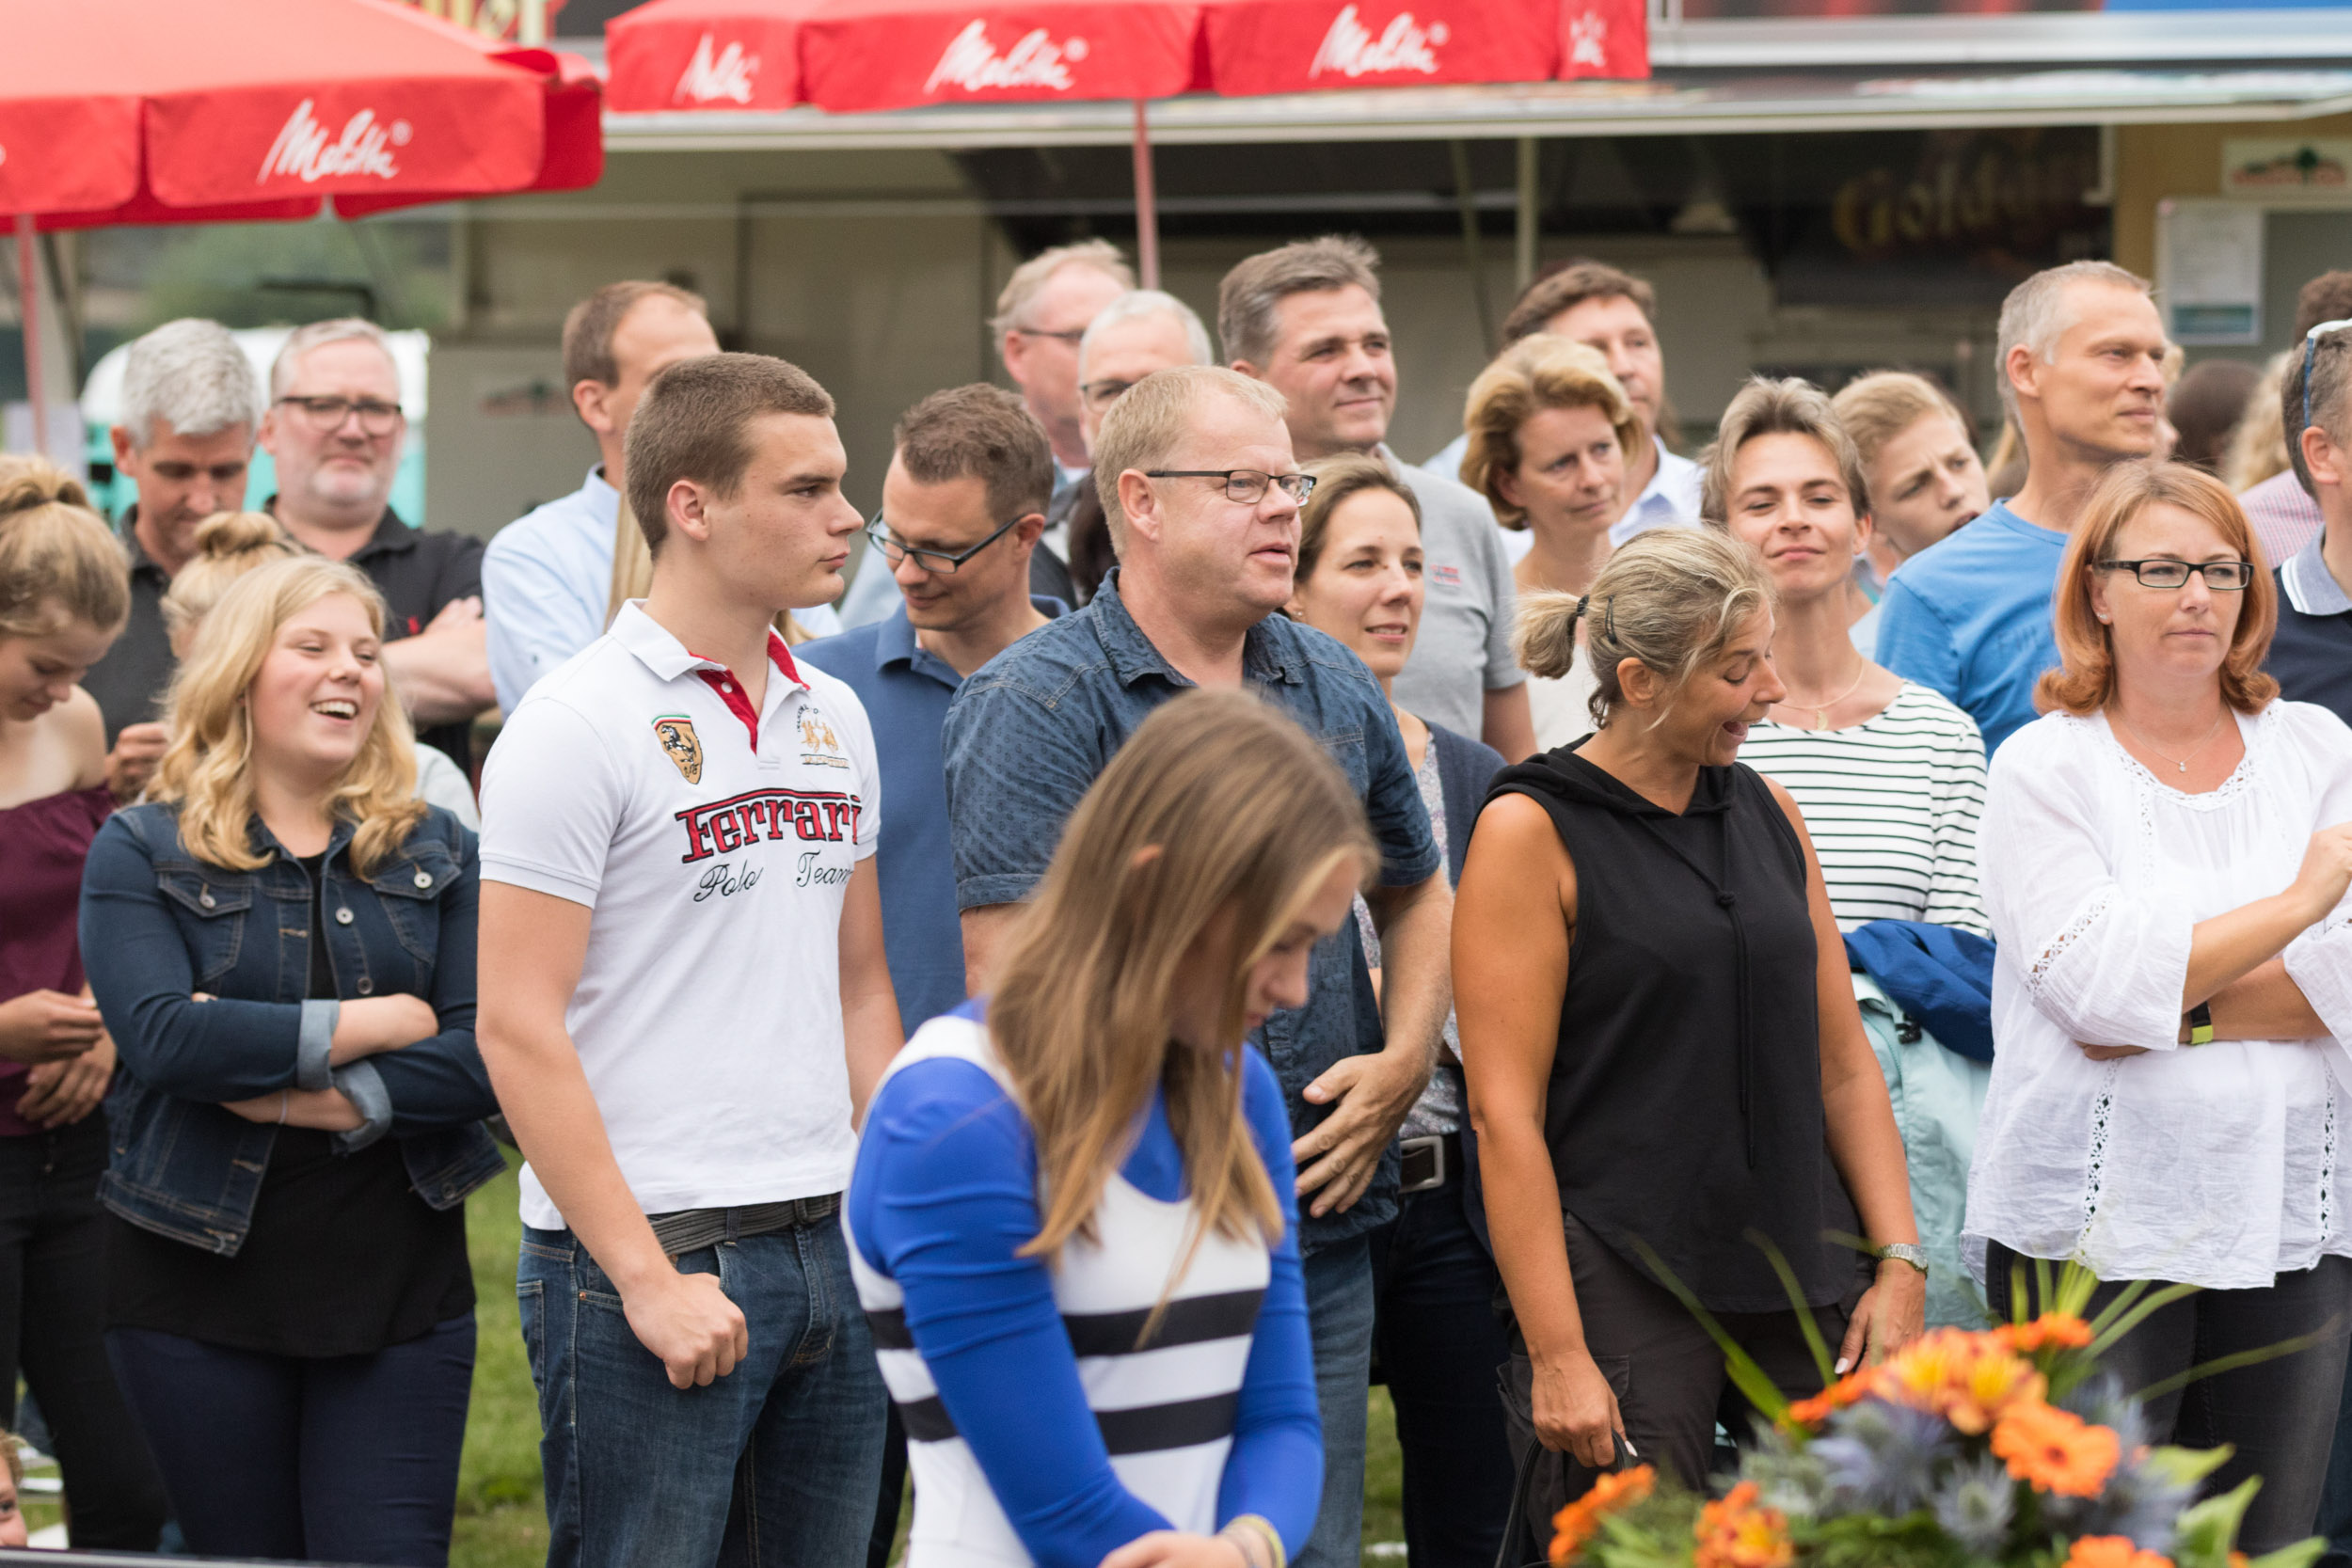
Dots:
{"x": 392, "y": 533}
{"x": 1267, "y": 656}
{"x": 128, "y": 531}
{"x": 597, "y": 491}
{"x": 2311, "y": 588}
{"x": 1668, "y": 475}
{"x": 669, "y": 659}
{"x": 895, "y": 642}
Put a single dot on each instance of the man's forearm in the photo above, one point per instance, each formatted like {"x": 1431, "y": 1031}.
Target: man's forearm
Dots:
{"x": 1416, "y": 927}
{"x": 443, "y": 677}
{"x": 553, "y": 1115}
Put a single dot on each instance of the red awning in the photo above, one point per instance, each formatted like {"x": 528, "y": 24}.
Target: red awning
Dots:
{"x": 706, "y": 55}
{"x": 1262, "y": 46}
{"x": 897, "y": 54}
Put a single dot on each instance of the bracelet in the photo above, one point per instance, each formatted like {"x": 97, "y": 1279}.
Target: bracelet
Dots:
{"x": 1256, "y": 1527}
{"x": 2199, "y": 1021}
{"x": 284, "y": 1097}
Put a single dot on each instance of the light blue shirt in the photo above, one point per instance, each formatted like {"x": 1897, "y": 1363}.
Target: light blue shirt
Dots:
{"x": 546, "y": 579}
{"x": 1969, "y": 616}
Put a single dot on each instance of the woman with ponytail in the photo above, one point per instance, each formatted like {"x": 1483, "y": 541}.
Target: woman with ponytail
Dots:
{"x": 65, "y": 592}
{"x": 1072, "y": 1218}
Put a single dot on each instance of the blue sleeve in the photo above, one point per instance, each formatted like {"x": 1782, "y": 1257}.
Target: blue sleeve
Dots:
{"x": 535, "y": 619}
{"x": 1275, "y": 1469}
{"x": 1915, "y": 642}
{"x": 144, "y": 979}
{"x": 943, "y": 1199}
{"x": 1392, "y": 803}
{"x": 1016, "y": 769}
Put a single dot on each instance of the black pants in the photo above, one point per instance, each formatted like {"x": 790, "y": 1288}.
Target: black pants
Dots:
{"x": 894, "y": 1492}
{"x": 2279, "y": 1414}
{"x": 52, "y": 1284}
{"x": 1438, "y": 1341}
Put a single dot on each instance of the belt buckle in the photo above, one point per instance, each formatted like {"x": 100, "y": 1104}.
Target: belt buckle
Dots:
{"x": 1424, "y": 1161}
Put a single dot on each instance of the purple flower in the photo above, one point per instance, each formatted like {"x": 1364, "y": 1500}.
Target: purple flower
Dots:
{"x": 1975, "y": 1503}
{"x": 1883, "y": 1456}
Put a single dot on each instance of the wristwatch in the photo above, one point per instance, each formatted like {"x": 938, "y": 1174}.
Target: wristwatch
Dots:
{"x": 2199, "y": 1021}
{"x": 1907, "y": 1252}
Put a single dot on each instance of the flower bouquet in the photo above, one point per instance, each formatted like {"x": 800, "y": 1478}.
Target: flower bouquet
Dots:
{"x": 2007, "y": 1446}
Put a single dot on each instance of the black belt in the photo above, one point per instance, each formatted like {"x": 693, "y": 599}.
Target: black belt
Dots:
{"x": 691, "y": 1230}
{"x": 1430, "y": 1162}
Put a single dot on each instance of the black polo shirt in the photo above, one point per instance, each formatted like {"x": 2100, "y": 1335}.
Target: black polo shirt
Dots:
{"x": 129, "y": 683}
{"x": 2311, "y": 652}
{"x": 419, "y": 571}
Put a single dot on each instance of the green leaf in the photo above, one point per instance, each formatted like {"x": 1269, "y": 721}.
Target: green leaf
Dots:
{"x": 1796, "y": 1299}
{"x": 1742, "y": 1369}
{"x": 2220, "y": 1363}
{"x": 2301, "y": 1555}
{"x": 2129, "y": 1309}
{"x": 2187, "y": 1466}
{"x": 2204, "y": 1534}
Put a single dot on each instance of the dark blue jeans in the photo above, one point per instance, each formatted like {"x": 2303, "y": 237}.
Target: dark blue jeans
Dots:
{"x": 1441, "y": 1346}
{"x": 338, "y": 1458}
{"x": 773, "y": 1466}
{"x": 2278, "y": 1414}
{"x": 1339, "y": 1316}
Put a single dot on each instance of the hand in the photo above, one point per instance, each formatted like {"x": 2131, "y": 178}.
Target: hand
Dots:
{"x": 687, "y": 1320}
{"x": 1374, "y": 1092}
{"x": 325, "y": 1110}
{"x": 132, "y": 762}
{"x": 2109, "y": 1052}
{"x": 1170, "y": 1548}
{"x": 1890, "y": 1315}
{"x": 455, "y": 616}
{"x": 48, "y": 1026}
{"x": 369, "y": 1024}
{"x": 1576, "y": 1411}
{"x": 60, "y": 1093}
{"x": 2327, "y": 871}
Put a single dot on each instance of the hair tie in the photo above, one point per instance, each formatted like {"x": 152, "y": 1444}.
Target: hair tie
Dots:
{"x": 1578, "y": 613}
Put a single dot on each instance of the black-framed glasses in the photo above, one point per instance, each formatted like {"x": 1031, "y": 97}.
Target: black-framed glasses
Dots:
{"x": 327, "y": 415}
{"x": 1247, "y": 485}
{"x": 2311, "y": 345}
{"x": 937, "y": 562}
{"x": 2222, "y": 577}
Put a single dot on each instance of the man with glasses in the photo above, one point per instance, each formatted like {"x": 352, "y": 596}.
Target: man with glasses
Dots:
{"x": 335, "y": 428}
{"x": 1201, "y": 492}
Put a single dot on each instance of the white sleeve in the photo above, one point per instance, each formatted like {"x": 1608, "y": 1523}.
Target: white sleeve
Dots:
{"x": 2103, "y": 965}
{"x": 552, "y": 801}
{"x": 2320, "y": 960}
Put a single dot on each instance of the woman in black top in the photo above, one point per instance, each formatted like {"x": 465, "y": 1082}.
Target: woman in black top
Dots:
{"x": 1662, "y": 1044}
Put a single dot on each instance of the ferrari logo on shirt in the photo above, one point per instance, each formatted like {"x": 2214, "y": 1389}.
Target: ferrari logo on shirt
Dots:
{"x": 678, "y": 741}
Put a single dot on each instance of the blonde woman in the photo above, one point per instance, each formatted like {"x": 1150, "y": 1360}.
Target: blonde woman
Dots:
{"x": 1549, "y": 431}
{"x": 1071, "y": 1220}
{"x": 227, "y": 546}
{"x": 1705, "y": 1039}
{"x": 282, "y": 943}
{"x": 64, "y": 596}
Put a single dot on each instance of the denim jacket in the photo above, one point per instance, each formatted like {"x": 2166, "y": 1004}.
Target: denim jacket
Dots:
{"x": 159, "y": 926}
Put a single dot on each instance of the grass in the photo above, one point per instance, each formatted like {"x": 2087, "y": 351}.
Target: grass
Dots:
{"x": 501, "y": 1518}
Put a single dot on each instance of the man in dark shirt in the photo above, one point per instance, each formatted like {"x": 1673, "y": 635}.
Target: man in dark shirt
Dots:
{"x": 2311, "y": 654}
{"x": 334, "y": 427}
{"x": 190, "y": 406}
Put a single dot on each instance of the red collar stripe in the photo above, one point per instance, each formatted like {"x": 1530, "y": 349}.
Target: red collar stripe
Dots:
{"x": 722, "y": 680}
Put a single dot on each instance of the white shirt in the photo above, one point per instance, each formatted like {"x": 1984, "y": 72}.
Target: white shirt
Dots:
{"x": 1671, "y": 498}
{"x": 707, "y": 1015}
{"x": 2213, "y": 1165}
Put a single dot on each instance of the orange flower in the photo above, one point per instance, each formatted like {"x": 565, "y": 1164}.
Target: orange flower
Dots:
{"x": 2114, "y": 1551}
{"x": 1968, "y": 1379}
{"x": 2053, "y": 1451}
{"x": 2052, "y": 1330}
{"x": 1578, "y": 1523}
{"x": 1735, "y": 1533}
{"x": 1839, "y": 1395}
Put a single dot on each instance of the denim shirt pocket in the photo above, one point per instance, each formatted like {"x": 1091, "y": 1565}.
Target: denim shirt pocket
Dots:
{"x": 408, "y": 889}
{"x": 211, "y": 905}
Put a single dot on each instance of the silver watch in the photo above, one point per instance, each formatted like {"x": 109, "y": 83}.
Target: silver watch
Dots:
{"x": 1906, "y": 1252}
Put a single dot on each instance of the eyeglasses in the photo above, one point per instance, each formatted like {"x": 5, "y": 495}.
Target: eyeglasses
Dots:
{"x": 1247, "y": 485}
{"x": 938, "y": 562}
{"x": 2311, "y": 345}
{"x": 327, "y": 415}
{"x": 1102, "y": 395}
{"x": 1070, "y": 336}
{"x": 2222, "y": 577}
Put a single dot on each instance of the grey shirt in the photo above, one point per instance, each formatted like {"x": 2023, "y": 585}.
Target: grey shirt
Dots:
{"x": 1464, "y": 648}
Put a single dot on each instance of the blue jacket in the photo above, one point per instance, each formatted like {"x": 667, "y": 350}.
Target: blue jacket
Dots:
{"x": 158, "y": 926}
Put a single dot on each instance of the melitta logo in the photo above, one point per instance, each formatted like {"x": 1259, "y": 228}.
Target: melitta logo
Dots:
{"x": 303, "y": 151}
{"x": 1588, "y": 40}
{"x": 725, "y": 75}
{"x": 1350, "y": 49}
{"x": 972, "y": 63}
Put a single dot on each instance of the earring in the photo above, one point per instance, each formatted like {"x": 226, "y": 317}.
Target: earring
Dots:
{"x": 2103, "y": 620}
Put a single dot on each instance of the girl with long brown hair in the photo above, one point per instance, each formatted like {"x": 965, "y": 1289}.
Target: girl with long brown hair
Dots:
{"x": 1072, "y": 1219}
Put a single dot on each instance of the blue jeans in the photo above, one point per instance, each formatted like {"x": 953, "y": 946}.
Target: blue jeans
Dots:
{"x": 1339, "y": 1314}
{"x": 773, "y": 1466}
{"x": 1442, "y": 1347}
{"x": 334, "y": 1459}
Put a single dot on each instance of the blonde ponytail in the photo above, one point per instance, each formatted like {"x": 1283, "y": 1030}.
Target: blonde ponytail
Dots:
{"x": 59, "y": 561}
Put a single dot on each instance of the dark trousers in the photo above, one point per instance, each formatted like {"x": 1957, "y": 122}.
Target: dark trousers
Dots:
{"x": 52, "y": 1284}
{"x": 893, "y": 1493}
{"x": 2335, "y": 1502}
{"x": 2279, "y": 1413}
{"x": 337, "y": 1459}
{"x": 1440, "y": 1342}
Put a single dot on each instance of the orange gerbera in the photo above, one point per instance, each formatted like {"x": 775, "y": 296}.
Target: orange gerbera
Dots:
{"x": 1968, "y": 1379}
{"x": 1839, "y": 1395}
{"x": 1735, "y": 1533}
{"x": 2052, "y": 1330}
{"x": 2113, "y": 1551}
{"x": 2054, "y": 1450}
{"x": 1578, "y": 1523}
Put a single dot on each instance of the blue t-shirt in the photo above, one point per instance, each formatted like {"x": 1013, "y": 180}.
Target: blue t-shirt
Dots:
{"x": 1969, "y": 616}
{"x": 906, "y": 690}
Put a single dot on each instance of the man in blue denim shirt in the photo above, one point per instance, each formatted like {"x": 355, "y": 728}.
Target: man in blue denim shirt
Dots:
{"x": 1198, "y": 461}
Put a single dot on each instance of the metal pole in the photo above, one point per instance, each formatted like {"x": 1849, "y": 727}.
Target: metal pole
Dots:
{"x": 1467, "y": 201}
{"x": 1146, "y": 205}
{"x": 28, "y": 315}
{"x": 1529, "y": 218}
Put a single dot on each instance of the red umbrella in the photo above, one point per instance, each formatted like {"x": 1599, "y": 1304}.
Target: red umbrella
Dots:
{"x": 706, "y": 55}
{"x": 155, "y": 111}
{"x": 1262, "y": 46}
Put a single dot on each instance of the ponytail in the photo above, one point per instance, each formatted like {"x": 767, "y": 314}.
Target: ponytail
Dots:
{"x": 59, "y": 561}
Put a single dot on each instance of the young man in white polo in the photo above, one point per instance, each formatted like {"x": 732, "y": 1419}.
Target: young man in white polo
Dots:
{"x": 689, "y": 1003}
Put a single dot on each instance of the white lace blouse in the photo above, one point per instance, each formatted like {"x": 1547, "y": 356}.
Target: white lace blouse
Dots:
{"x": 2214, "y": 1166}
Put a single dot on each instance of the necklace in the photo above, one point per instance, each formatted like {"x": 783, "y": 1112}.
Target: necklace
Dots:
{"x": 2180, "y": 764}
{"x": 1820, "y": 710}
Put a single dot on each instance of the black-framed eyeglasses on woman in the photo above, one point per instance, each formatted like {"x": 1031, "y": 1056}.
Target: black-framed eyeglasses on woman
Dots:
{"x": 2222, "y": 577}
{"x": 327, "y": 415}
{"x": 937, "y": 562}
{"x": 1247, "y": 485}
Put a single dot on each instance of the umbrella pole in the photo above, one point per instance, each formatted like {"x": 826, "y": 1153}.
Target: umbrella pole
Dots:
{"x": 28, "y": 315}
{"x": 1146, "y": 205}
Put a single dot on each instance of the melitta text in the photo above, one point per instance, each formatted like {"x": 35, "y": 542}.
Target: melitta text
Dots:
{"x": 303, "y": 150}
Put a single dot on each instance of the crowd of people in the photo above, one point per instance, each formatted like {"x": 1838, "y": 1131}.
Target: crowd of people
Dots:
{"x": 1203, "y": 914}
